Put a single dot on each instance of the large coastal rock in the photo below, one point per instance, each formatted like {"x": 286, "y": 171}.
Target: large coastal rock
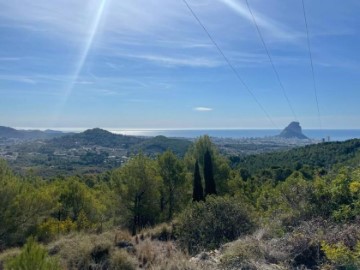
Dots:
{"x": 293, "y": 131}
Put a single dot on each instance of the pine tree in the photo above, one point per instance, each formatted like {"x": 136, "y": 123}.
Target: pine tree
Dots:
{"x": 32, "y": 256}
{"x": 210, "y": 187}
{"x": 171, "y": 170}
{"x": 198, "y": 194}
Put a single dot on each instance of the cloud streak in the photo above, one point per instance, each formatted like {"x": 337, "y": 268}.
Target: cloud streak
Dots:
{"x": 181, "y": 61}
{"x": 203, "y": 109}
{"x": 9, "y": 59}
{"x": 18, "y": 78}
{"x": 268, "y": 24}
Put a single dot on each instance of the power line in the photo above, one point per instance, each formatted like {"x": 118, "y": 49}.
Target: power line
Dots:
{"x": 312, "y": 65}
{"x": 271, "y": 61}
{"x": 229, "y": 63}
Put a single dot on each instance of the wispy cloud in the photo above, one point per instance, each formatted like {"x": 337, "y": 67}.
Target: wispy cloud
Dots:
{"x": 84, "y": 82}
{"x": 114, "y": 66}
{"x": 276, "y": 29}
{"x": 203, "y": 109}
{"x": 171, "y": 61}
{"x": 106, "y": 92}
{"x": 31, "y": 28}
{"x": 5, "y": 59}
{"x": 18, "y": 78}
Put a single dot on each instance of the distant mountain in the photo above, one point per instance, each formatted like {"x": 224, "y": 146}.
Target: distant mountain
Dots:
{"x": 94, "y": 137}
{"x": 103, "y": 138}
{"x": 11, "y": 133}
{"x": 7, "y": 132}
{"x": 293, "y": 131}
{"x": 50, "y": 131}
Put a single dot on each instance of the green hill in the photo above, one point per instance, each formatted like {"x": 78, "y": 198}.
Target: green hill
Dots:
{"x": 28, "y": 135}
{"x": 316, "y": 155}
{"x": 160, "y": 144}
{"x": 95, "y": 137}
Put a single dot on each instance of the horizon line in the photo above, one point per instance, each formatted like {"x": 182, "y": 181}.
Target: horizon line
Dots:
{"x": 115, "y": 129}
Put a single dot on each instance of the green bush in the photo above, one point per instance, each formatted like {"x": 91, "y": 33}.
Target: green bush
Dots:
{"x": 33, "y": 256}
{"x": 50, "y": 228}
{"x": 207, "y": 225}
{"x": 342, "y": 256}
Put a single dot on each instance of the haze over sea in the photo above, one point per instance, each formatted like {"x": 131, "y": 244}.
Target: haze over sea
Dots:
{"x": 334, "y": 134}
{"x": 316, "y": 134}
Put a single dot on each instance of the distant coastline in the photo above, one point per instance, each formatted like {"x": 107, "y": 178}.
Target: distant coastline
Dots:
{"x": 316, "y": 134}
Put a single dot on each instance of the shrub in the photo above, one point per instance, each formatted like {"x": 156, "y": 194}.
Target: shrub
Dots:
{"x": 342, "y": 256}
{"x": 50, "y": 228}
{"x": 161, "y": 232}
{"x": 206, "y": 225}
{"x": 84, "y": 251}
{"x": 121, "y": 260}
{"x": 160, "y": 255}
{"x": 7, "y": 254}
{"x": 32, "y": 256}
{"x": 83, "y": 222}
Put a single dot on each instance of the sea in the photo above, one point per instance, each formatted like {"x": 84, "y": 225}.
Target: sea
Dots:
{"x": 315, "y": 134}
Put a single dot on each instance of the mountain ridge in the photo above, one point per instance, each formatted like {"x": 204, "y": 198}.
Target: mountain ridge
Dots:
{"x": 12, "y": 133}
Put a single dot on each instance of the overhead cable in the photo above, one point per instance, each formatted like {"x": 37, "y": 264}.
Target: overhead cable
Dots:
{"x": 312, "y": 64}
{"x": 271, "y": 61}
{"x": 230, "y": 64}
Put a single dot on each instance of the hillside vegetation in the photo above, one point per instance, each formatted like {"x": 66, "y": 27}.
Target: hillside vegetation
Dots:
{"x": 322, "y": 155}
{"x": 92, "y": 151}
{"x": 28, "y": 135}
{"x": 297, "y": 209}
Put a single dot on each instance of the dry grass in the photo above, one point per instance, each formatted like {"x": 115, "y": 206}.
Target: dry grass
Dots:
{"x": 161, "y": 232}
{"x": 7, "y": 254}
{"x": 90, "y": 251}
{"x": 263, "y": 250}
{"x": 298, "y": 249}
{"x": 120, "y": 235}
{"x": 120, "y": 260}
{"x": 160, "y": 255}
{"x": 252, "y": 251}
{"x": 119, "y": 250}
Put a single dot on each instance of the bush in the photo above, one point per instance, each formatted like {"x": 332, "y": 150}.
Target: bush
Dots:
{"x": 84, "y": 251}
{"x": 207, "y": 225}
{"x": 121, "y": 260}
{"x": 32, "y": 256}
{"x": 160, "y": 255}
{"x": 342, "y": 256}
{"x": 50, "y": 228}
{"x": 161, "y": 232}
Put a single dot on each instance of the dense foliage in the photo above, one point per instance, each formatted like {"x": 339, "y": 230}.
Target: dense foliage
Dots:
{"x": 279, "y": 191}
{"x": 206, "y": 225}
{"x": 198, "y": 191}
{"x": 323, "y": 155}
{"x": 33, "y": 256}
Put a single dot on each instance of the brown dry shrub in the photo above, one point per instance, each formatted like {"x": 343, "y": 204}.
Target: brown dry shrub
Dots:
{"x": 160, "y": 255}
{"x": 82, "y": 251}
{"x": 122, "y": 260}
{"x": 161, "y": 232}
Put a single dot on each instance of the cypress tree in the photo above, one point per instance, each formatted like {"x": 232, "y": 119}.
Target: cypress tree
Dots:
{"x": 198, "y": 194}
{"x": 210, "y": 187}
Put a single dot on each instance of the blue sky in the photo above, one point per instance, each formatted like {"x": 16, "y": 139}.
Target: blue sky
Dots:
{"x": 149, "y": 64}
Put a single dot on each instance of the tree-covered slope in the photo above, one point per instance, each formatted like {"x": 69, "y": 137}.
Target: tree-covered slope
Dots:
{"x": 11, "y": 133}
{"x": 316, "y": 155}
{"x": 160, "y": 144}
{"x": 92, "y": 137}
